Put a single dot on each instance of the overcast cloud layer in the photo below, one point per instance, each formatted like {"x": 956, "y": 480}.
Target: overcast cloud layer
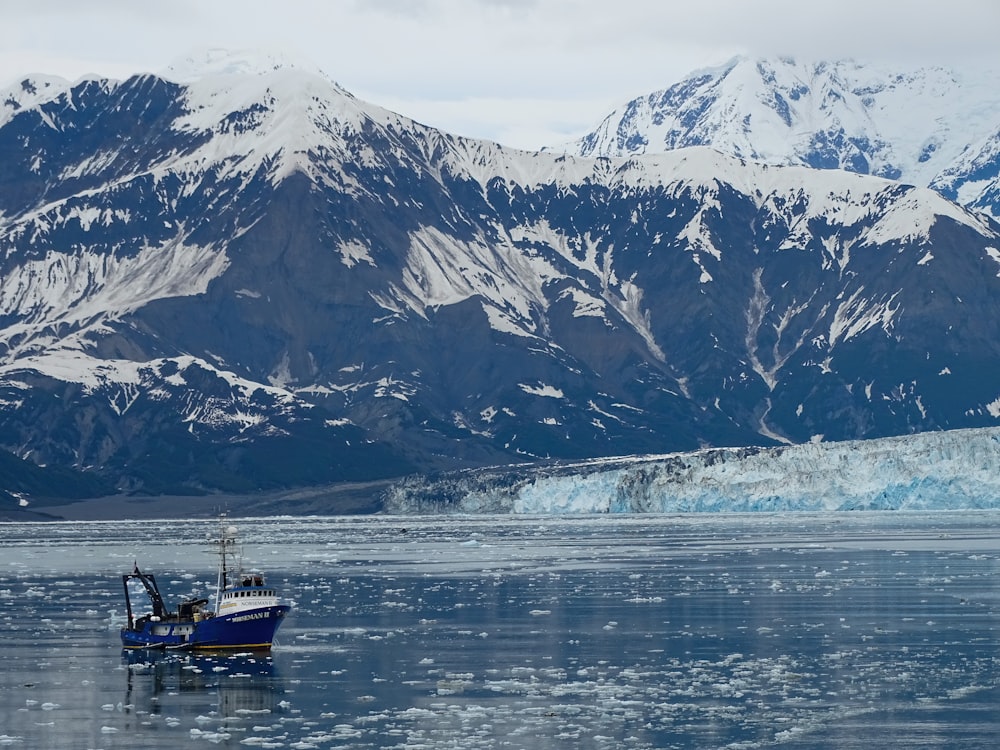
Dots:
{"x": 524, "y": 72}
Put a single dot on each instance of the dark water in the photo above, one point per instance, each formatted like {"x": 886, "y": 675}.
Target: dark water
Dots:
{"x": 826, "y": 631}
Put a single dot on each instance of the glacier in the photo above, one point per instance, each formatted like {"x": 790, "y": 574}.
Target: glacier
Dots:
{"x": 948, "y": 470}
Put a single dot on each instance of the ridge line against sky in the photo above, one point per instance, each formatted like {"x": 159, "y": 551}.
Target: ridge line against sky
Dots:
{"x": 526, "y": 73}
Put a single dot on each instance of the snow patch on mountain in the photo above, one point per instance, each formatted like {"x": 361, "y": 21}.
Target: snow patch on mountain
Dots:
{"x": 86, "y": 289}
{"x": 354, "y": 252}
{"x": 541, "y": 389}
{"x": 71, "y": 365}
{"x": 29, "y": 92}
{"x": 237, "y": 405}
{"x": 856, "y": 314}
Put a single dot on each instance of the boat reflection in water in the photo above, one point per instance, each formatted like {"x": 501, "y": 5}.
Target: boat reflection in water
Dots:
{"x": 224, "y": 692}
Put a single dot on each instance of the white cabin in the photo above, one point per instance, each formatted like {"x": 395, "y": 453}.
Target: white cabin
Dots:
{"x": 244, "y": 598}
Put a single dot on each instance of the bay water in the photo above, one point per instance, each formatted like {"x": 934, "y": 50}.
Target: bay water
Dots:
{"x": 695, "y": 631}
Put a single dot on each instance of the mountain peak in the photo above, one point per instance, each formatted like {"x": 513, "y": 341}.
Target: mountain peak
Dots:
{"x": 268, "y": 107}
{"x": 27, "y": 92}
{"x": 918, "y": 125}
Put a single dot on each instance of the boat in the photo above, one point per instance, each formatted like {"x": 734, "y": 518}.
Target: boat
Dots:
{"x": 245, "y": 614}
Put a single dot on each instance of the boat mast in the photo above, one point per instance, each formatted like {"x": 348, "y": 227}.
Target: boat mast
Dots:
{"x": 226, "y": 542}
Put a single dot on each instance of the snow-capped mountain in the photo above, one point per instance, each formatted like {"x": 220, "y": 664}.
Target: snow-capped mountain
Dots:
{"x": 953, "y": 470}
{"x": 931, "y": 127}
{"x": 242, "y": 277}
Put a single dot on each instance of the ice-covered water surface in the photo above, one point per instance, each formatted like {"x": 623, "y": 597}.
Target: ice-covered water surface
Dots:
{"x": 819, "y": 631}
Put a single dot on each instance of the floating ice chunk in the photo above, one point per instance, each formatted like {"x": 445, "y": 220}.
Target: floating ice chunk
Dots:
{"x": 214, "y": 737}
{"x": 346, "y": 731}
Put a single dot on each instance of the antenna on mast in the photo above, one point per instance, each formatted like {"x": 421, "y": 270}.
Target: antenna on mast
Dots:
{"x": 226, "y": 545}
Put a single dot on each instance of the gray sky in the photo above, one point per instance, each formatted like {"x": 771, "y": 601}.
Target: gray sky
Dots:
{"x": 527, "y": 73}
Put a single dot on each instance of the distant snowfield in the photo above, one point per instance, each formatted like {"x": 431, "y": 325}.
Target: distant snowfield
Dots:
{"x": 953, "y": 470}
{"x": 927, "y": 126}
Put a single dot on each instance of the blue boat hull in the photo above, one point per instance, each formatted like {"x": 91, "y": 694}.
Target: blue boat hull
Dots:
{"x": 248, "y": 629}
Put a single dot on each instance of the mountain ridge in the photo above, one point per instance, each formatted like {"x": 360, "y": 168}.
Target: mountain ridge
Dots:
{"x": 279, "y": 285}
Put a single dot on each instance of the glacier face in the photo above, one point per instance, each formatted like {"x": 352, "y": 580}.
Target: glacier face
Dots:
{"x": 953, "y": 470}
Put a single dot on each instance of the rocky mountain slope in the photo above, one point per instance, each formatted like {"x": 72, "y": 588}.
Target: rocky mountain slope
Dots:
{"x": 240, "y": 277}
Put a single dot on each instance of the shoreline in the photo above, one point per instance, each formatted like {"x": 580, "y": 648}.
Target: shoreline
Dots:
{"x": 360, "y": 498}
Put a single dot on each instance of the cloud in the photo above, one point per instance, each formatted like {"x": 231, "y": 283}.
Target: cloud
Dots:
{"x": 910, "y": 31}
{"x": 494, "y": 67}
